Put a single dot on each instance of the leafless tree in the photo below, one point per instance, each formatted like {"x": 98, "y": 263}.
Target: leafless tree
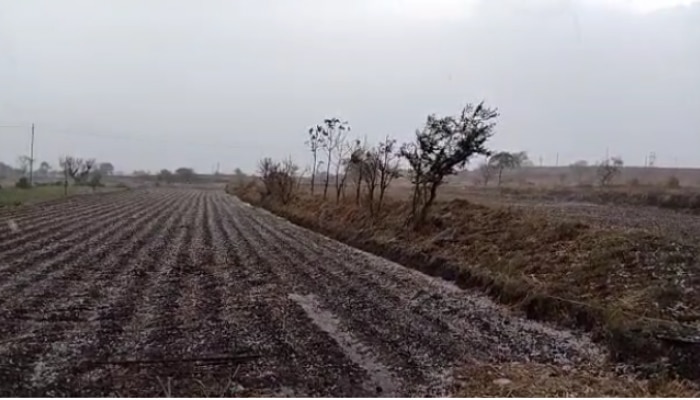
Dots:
{"x": 608, "y": 169}
{"x": 315, "y": 142}
{"x": 370, "y": 174}
{"x": 342, "y": 154}
{"x": 333, "y": 132}
{"x": 486, "y": 170}
{"x": 76, "y": 168}
{"x": 356, "y": 168}
{"x": 23, "y": 162}
{"x": 279, "y": 178}
{"x": 388, "y": 167}
{"x": 578, "y": 169}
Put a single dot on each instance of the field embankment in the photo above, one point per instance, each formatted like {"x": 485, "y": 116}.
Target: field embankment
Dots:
{"x": 634, "y": 290}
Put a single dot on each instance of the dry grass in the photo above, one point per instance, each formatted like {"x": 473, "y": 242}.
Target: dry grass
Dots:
{"x": 538, "y": 380}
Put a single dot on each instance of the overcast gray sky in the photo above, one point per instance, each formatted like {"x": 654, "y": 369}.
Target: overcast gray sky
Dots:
{"x": 165, "y": 83}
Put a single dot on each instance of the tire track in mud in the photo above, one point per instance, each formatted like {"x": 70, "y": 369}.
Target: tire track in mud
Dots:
{"x": 81, "y": 296}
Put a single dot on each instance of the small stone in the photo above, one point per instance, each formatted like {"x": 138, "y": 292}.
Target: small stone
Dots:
{"x": 502, "y": 381}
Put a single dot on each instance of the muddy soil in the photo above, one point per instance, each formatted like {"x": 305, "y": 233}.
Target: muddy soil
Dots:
{"x": 193, "y": 293}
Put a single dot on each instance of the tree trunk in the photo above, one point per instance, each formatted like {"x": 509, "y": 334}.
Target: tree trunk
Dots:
{"x": 358, "y": 186}
{"x": 416, "y": 198}
{"x": 382, "y": 189}
{"x": 65, "y": 182}
{"x": 313, "y": 173}
{"x": 328, "y": 176}
{"x": 428, "y": 204}
{"x": 500, "y": 172}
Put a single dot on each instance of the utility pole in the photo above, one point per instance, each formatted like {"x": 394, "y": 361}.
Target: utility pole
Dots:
{"x": 31, "y": 161}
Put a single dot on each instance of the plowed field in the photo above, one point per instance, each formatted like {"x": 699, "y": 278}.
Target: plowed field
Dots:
{"x": 191, "y": 292}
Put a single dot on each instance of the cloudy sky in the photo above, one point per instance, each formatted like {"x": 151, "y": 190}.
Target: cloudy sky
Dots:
{"x": 165, "y": 83}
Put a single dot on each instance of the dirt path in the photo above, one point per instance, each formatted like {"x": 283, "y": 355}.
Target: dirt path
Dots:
{"x": 190, "y": 292}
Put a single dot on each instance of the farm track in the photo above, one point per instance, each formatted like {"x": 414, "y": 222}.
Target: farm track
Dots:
{"x": 191, "y": 292}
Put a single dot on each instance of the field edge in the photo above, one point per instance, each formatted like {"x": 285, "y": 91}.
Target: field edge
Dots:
{"x": 649, "y": 347}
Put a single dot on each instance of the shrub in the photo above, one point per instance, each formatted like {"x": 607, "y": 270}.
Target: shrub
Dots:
{"x": 22, "y": 183}
{"x": 633, "y": 182}
{"x": 673, "y": 183}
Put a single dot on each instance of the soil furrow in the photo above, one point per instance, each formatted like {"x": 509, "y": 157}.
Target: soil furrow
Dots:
{"x": 354, "y": 305}
{"x": 189, "y": 292}
{"x": 405, "y": 292}
{"x": 15, "y": 231}
{"x": 153, "y": 331}
{"x": 71, "y": 314}
{"x": 280, "y": 329}
{"x": 130, "y": 269}
{"x": 55, "y": 241}
{"x": 369, "y": 309}
{"x": 33, "y": 266}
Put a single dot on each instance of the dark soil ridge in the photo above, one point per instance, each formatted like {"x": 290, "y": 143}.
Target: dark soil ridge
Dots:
{"x": 653, "y": 347}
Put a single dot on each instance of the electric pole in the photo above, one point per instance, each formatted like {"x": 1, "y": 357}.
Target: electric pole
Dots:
{"x": 31, "y": 161}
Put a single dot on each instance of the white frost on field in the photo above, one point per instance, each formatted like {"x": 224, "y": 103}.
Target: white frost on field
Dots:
{"x": 13, "y": 226}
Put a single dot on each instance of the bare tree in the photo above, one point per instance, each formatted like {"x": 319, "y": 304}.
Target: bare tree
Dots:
{"x": 342, "y": 153}
{"x": 106, "y": 168}
{"x": 356, "y": 167}
{"x": 486, "y": 170}
{"x": 70, "y": 166}
{"x": 44, "y": 169}
{"x": 279, "y": 178}
{"x": 388, "y": 167}
{"x": 505, "y": 160}
{"x": 165, "y": 176}
{"x": 443, "y": 147}
{"x": 23, "y": 163}
{"x": 370, "y": 174}
{"x": 76, "y": 168}
{"x": 578, "y": 169}
{"x": 315, "y": 142}
{"x": 95, "y": 180}
{"x": 608, "y": 169}
{"x": 333, "y": 132}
